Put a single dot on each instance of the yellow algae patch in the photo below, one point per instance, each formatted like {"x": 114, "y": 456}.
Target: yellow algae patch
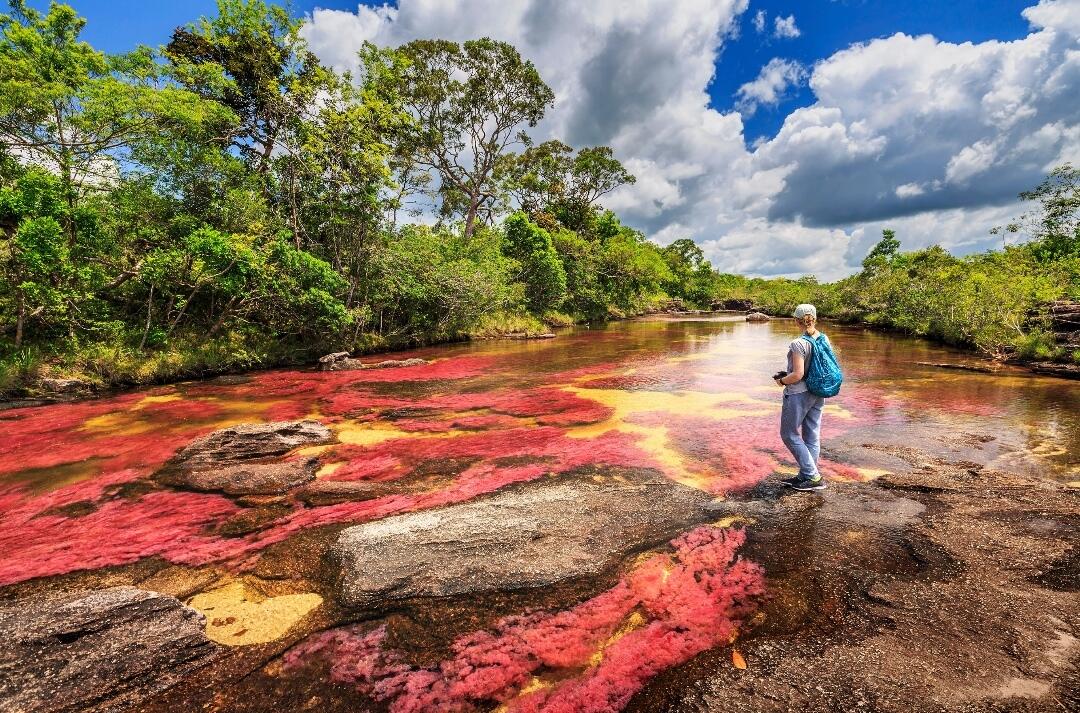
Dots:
{"x": 837, "y": 411}
{"x": 872, "y": 473}
{"x": 1073, "y": 484}
{"x": 655, "y": 439}
{"x": 634, "y": 621}
{"x": 164, "y": 399}
{"x": 535, "y": 684}
{"x": 238, "y": 615}
{"x": 329, "y": 468}
{"x": 136, "y": 420}
{"x": 374, "y": 433}
{"x": 733, "y": 519}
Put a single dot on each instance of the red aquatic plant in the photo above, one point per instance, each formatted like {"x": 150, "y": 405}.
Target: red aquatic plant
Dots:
{"x": 597, "y": 654}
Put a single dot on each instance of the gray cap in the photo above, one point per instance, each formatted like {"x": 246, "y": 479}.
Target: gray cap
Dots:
{"x": 804, "y": 309}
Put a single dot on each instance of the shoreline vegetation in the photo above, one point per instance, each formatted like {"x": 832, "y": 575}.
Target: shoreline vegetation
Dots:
{"x": 226, "y": 202}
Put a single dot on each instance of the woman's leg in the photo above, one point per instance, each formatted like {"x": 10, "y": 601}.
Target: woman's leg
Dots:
{"x": 791, "y": 419}
{"x": 811, "y": 426}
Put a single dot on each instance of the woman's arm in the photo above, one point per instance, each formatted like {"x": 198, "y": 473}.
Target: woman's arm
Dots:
{"x": 797, "y": 367}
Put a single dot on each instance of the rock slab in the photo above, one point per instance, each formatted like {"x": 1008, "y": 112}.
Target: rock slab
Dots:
{"x": 341, "y": 361}
{"x": 534, "y": 535}
{"x": 246, "y": 459}
{"x": 103, "y": 651}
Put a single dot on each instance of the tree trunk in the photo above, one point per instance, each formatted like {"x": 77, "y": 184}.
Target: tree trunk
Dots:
{"x": 22, "y": 319}
{"x": 470, "y": 218}
{"x": 146, "y": 329}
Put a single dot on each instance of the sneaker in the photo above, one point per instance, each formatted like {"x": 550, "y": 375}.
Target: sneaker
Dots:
{"x": 790, "y": 482}
{"x": 808, "y": 484}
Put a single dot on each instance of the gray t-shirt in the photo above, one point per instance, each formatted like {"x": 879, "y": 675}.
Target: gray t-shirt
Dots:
{"x": 803, "y": 347}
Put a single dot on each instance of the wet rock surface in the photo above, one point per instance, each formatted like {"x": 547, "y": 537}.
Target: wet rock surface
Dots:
{"x": 943, "y": 588}
{"x": 245, "y": 460}
{"x": 249, "y": 478}
{"x": 757, "y": 317}
{"x": 533, "y": 535}
{"x": 251, "y": 441}
{"x": 341, "y": 361}
{"x": 103, "y": 651}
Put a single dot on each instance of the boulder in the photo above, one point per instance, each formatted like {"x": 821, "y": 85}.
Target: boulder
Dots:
{"x": 247, "y": 478}
{"x": 65, "y": 386}
{"x": 245, "y": 460}
{"x": 107, "y": 650}
{"x": 250, "y": 442}
{"x": 531, "y": 535}
{"x": 341, "y": 361}
{"x": 757, "y": 317}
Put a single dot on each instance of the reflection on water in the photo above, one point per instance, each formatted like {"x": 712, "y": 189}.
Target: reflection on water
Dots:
{"x": 690, "y": 398}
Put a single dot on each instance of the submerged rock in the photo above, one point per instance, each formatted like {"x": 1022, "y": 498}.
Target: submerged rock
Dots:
{"x": 341, "y": 361}
{"x": 248, "y": 478}
{"x": 250, "y": 442}
{"x": 532, "y": 535}
{"x": 105, "y": 651}
{"x": 333, "y": 492}
{"x": 757, "y": 317}
{"x": 245, "y": 459}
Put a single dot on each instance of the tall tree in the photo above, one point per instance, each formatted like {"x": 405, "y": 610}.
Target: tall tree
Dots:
{"x": 549, "y": 178}
{"x": 250, "y": 58}
{"x": 469, "y": 101}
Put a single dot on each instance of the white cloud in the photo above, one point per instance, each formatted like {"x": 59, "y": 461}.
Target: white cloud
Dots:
{"x": 772, "y": 82}
{"x": 933, "y": 139}
{"x": 784, "y": 27}
{"x": 759, "y": 21}
{"x": 910, "y": 190}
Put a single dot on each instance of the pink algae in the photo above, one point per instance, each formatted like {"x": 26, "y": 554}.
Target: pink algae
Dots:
{"x": 595, "y": 656}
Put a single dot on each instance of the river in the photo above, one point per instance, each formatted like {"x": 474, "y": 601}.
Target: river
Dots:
{"x": 688, "y": 398}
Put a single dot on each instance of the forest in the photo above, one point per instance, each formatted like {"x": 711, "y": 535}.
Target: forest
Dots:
{"x": 226, "y": 201}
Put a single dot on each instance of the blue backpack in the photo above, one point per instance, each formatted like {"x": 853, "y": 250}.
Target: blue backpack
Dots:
{"x": 823, "y": 376}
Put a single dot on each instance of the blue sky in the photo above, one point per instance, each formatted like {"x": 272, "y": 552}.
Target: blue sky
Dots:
{"x": 780, "y": 151}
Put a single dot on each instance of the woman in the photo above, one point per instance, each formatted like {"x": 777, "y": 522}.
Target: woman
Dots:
{"x": 800, "y": 419}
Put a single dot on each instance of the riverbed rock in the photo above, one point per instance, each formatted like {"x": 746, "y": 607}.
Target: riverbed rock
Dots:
{"x": 757, "y": 317}
{"x": 245, "y": 460}
{"x": 334, "y": 492}
{"x": 341, "y": 361}
{"x": 65, "y": 387}
{"x": 532, "y": 535}
{"x": 104, "y": 651}
{"x": 249, "y": 478}
{"x": 251, "y": 442}
{"x": 1069, "y": 371}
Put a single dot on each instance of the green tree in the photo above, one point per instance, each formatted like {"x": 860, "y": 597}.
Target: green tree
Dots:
{"x": 549, "y": 178}
{"x": 1057, "y": 219}
{"x": 541, "y": 271}
{"x": 468, "y": 101}
{"x": 883, "y": 251}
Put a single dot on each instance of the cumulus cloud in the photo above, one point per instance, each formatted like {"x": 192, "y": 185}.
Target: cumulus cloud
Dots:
{"x": 972, "y": 124}
{"x": 931, "y": 138}
{"x": 784, "y": 27}
{"x": 771, "y": 84}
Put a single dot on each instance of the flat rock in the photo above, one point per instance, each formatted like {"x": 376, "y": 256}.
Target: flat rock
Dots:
{"x": 246, "y": 478}
{"x": 532, "y": 535}
{"x": 107, "y": 650}
{"x": 65, "y": 386}
{"x": 250, "y": 442}
{"x": 333, "y": 492}
{"x": 341, "y": 361}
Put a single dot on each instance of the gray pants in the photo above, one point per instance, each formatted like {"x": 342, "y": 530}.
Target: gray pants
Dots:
{"x": 800, "y": 429}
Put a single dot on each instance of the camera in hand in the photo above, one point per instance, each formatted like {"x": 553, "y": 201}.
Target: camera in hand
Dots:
{"x": 779, "y": 375}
